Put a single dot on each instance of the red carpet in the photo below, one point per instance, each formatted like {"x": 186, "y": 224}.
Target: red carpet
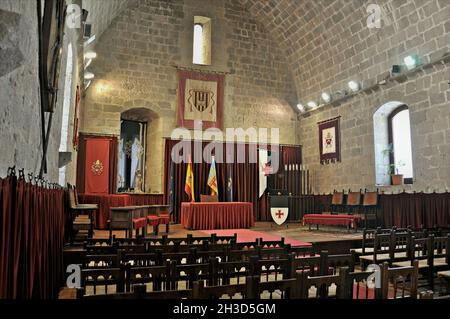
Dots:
{"x": 246, "y": 235}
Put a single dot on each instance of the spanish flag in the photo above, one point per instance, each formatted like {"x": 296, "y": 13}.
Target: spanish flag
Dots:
{"x": 212, "y": 178}
{"x": 189, "y": 186}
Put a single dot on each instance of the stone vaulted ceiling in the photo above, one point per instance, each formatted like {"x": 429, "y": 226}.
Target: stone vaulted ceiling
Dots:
{"x": 103, "y": 12}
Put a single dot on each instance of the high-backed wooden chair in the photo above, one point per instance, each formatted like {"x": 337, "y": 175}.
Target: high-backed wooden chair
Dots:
{"x": 353, "y": 203}
{"x": 337, "y": 202}
{"x": 399, "y": 282}
{"x": 81, "y": 215}
{"x": 370, "y": 207}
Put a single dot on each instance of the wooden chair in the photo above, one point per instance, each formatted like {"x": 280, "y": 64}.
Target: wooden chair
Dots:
{"x": 381, "y": 251}
{"x": 310, "y": 265}
{"x": 273, "y": 253}
{"x": 225, "y": 273}
{"x": 355, "y": 285}
{"x": 432, "y": 255}
{"x": 272, "y": 269}
{"x": 271, "y": 243}
{"x": 237, "y": 291}
{"x": 370, "y": 207}
{"x": 101, "y": 261}
{"x": 337, "y": 202}
{"x": 158, "y": 276}
{"x": 353, "y": 203}
{"x": 284, "y": 289}
{"x": 401, "y": 280}
{"x": 142, "y": 259}
{"x": 139, "y": 291}
{"x": 103, "y": 277}
{"x": 186, "y": 274}
{"x": 81, "y": 216}
{"x": 322, "y": 285}
{"x": 332, "y": 263}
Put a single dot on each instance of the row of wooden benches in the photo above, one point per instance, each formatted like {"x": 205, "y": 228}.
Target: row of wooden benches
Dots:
{"x": 343, "y": 284}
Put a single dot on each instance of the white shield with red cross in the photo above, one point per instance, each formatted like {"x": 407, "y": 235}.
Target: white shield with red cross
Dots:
{"x": 279, "y": 215}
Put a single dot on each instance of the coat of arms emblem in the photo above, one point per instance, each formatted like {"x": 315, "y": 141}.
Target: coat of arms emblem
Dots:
{"x": 97, "y": 168}
{"x": 202, "y": 100}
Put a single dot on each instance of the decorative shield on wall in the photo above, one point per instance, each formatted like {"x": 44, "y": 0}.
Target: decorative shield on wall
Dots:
{"x": 200, "y": 98}
{"x": 329, "y": 141}
{"x": 279, "y": 215}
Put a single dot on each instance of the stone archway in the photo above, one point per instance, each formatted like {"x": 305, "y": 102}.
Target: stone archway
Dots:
{"x": 143, "y": 111}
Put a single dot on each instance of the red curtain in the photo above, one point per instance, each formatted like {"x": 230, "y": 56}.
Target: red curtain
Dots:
{"x": 32, "y": 240}
{"x": 97, "y": 164}
{"x": 91, "y": 149}
{"x": 245, "y": 178}
{"x": 417, "y": 210}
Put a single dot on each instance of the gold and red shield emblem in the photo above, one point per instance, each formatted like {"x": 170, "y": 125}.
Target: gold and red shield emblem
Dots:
{"x": 97, "y": 168}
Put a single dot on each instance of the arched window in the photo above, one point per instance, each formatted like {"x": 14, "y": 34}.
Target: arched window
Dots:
{"x": 202, "y": 41}
{"x": 66, "y": 111}
{"x": 392, "y": 139}
{"x": 400, "y": 142}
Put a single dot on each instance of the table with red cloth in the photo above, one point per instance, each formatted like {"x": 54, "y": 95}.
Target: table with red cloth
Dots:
{"x": 106, "y": 201}
{"x": 331, "y": 219}
{"x": 231, "y": 215}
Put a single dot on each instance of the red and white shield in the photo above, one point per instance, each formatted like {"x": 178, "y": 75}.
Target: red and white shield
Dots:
{"x": 279, "y": 215}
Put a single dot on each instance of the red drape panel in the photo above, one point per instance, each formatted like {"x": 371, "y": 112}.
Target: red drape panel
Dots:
{"x": 113, "y": 164}
{"x": 84, "y": 169}
{"x": 32, "y": 240}
{"x": 97, "y": 166}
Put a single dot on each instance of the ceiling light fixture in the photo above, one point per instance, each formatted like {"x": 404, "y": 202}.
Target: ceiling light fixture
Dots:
{"x": 88, "y": 75}
{"x": 411, "y": 61}
{"x": 354, "y": 86}
{"x": 312, "y": 105}
{"x": 90, "y": 55}
{"x": 326, "y": 97}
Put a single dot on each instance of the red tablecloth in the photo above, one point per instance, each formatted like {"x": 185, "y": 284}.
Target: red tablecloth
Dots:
{"x": 201, "y": 216}
{"x": 106, "y": 201}
{"x": 328, "y": 219}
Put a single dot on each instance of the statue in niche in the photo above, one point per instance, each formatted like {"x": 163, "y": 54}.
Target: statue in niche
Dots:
{"x": 138, "y": 182}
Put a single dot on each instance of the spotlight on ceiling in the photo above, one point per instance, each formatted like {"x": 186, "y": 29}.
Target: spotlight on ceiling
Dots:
{"x": 90, "y": 55}
{"x": 301, "y": 108}
{"x": 326, "y": 97}
{"x": 411, "y": 61}
{"x": 88, "y": 75}
{"x": 312, "y": 105}
{"x": 354, "y": 86}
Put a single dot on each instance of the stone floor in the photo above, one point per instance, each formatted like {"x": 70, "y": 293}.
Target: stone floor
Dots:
{"x": 292, "y": 230}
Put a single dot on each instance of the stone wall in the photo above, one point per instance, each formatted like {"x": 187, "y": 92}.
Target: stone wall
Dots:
{"x": 340, "y": 47}
{"x": 20, "y": 116}
{"x": 137, "y": 63}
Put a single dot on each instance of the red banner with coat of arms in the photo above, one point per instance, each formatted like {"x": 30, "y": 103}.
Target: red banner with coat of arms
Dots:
{"x": 329, "y": 141}
{"x": 97, "y": 166}
{"x": 200, "y": 98}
